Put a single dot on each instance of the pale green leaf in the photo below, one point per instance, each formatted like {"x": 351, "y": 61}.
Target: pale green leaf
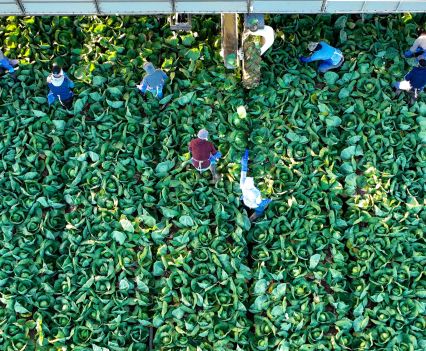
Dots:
{"x": 119, "y": 237}
{"x": 314, "y": 260}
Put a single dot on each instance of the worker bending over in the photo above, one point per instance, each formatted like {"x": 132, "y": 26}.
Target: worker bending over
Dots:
{"x": 203, "y": 154}
{"x": 328, "y": 56}
{"x": 252, "y": 197}
{"x": 419, "y": 47}
{"x": 414, "y": 82}
{"x": 60, "y": 87}
{"x": 153, "y": 80}
{"x": 8, "y": 65}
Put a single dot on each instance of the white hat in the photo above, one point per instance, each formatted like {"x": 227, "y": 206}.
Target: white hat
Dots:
{"x": 203, "y": 134}
{"x": 312, "y": 46}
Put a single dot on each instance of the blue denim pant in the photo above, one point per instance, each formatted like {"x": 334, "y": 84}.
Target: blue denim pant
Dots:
{"x": 327, "y": 65}
{"x": 157, "y": 91}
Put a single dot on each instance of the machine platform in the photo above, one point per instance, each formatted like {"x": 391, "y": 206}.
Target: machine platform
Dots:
{"x": 140, "y": 7}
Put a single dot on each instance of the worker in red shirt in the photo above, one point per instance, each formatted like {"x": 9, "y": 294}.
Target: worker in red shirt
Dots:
{"x": 203, "y": 154}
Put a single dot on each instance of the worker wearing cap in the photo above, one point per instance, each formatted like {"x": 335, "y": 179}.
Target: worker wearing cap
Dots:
{"x": 60, "y": 87}
{"x": 203, "y": 154}
{"x": 414, "y": 82}
{"x": 419, "y": 47}
{"x": 8, "y": 65}
{"x": 252, "y": 197}
{"x": 328, "y": 56}
{"x": 153, "y": 80}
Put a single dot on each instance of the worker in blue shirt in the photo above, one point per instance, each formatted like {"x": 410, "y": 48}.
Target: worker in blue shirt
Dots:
{"x": 153, "y": 81}
{"x": 414, "y": 82}
{"x": 328, "y": 56}
{"x": 8, "y": 65}
{"x": 60, "y": 87}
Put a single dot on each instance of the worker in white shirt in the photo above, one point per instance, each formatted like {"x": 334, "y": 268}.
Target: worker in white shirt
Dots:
{"x": 252, "y": 197}
{"x": 419, "y": 47}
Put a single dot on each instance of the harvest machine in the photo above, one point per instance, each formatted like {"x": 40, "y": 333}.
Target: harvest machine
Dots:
{"x": 256, "y": 37}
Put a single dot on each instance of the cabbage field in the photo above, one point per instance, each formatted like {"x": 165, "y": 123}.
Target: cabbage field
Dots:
{"x": 111, "y": 241}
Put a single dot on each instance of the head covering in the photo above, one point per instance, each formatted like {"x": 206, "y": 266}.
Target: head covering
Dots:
{"x": 203, "y": 134}
{"x": 57, "y": 77}
{"x": 56, "y": 69}
{"x": 149, "y": 68}
{"x": 312, "y": 46}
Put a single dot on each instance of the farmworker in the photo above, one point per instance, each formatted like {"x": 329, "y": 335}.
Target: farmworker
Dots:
{"x": 203, "y": 154}
{"x": 419, "y": 47}
{"x": 60, "y": 87}
{"x": 414, "y": 81}
{"x": 8, "y": 65}
{"x": 153, "y": 81}
{"x": 252, "y": 197}
{"x": 328, "y": 56}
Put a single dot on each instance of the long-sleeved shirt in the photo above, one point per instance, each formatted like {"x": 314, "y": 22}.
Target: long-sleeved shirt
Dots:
{"x": 153, "y": 82}
{"x": 62, "y": 92}
{"x": 327, "y": 52}
{"x": 417, "y": 77}
{"x": 420, "y": 42}
{"x": 201, "y": 150}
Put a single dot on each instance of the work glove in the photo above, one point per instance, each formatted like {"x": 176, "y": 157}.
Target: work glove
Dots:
{"x": 303, "y": 59}
{"x": 214, "y": 158}
{"x": 244, "y": 161}
{"x": 408, "y": 54}
{"x": 51, "y": 98}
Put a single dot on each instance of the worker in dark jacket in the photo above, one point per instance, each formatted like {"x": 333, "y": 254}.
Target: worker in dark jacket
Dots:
{"x": 153, "y": 81}
{"x": 60, "y": 87}
{"x": 203, "y": 154}
{"x": 328, "y": 56}
{"x": 8, "y": 65}
{"x": 414, "y": 82}
{"x": 419, "y": 47}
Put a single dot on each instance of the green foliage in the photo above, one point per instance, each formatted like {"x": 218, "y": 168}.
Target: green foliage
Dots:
{"x": 106, "y": 231}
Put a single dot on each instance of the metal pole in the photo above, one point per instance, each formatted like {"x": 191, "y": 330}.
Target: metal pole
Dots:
{"x": 98, "y": 9}
{"x": 21, "y": 6}
{"x": 397, "y": 6}
{"x": 173, "y": 3}
{"x": 324, "y": 6}
{"x": 249, "y": 5}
